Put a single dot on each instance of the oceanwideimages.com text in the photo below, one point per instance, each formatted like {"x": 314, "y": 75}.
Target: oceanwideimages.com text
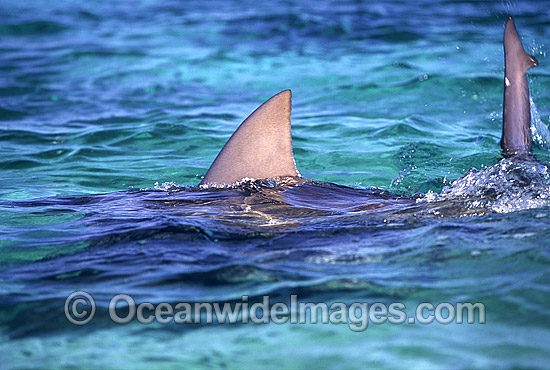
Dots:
{"x": 80, "y": 309}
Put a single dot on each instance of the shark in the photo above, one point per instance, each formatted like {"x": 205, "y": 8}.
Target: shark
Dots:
{"x": 261, "y": 147}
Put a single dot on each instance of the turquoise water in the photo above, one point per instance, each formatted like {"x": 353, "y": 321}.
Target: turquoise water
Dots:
{"x": 101, "y": 101}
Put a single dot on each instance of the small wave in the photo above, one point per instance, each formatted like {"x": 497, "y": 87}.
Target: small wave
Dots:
{"x": 10, "y": 115}
{"x": 32, "y": 28}
{"x": 253, "y": 184}
{"x": 504, "y": 187}
{"x": 244, "y": 184}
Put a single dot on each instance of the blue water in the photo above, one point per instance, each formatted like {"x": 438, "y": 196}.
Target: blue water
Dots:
{"x": 110, "y": 113}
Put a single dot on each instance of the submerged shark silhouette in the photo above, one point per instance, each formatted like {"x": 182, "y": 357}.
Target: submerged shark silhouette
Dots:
{"x": 261, "y": 148}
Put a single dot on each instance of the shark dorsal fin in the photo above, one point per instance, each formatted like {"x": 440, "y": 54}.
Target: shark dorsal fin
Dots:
{"x": 516, "y": 133}
{"x": 260, "y": 148}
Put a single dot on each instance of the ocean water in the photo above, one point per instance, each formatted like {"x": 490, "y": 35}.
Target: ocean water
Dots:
{"x": 110, "y": 113}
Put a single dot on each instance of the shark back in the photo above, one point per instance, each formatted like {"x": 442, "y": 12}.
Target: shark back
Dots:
{"x": 260, "y": 148}
{"x": 516, "y": 134}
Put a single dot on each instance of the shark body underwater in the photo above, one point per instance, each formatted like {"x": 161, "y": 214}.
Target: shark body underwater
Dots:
{"x": 253, "y": 185}
{"x": 260, "y": 151}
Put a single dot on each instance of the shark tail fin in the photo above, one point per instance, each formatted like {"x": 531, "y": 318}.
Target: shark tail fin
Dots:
{"x": 516, "y": 133}
{"x": 260, "y": 148}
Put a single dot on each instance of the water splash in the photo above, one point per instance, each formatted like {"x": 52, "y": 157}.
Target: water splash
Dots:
{"x": 169, "y": 187}
{"x": 504, "y": 187}
{"x": 250, "y": 183}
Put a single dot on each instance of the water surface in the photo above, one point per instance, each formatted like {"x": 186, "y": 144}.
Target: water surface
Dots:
{"x": 99, "y": 101}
